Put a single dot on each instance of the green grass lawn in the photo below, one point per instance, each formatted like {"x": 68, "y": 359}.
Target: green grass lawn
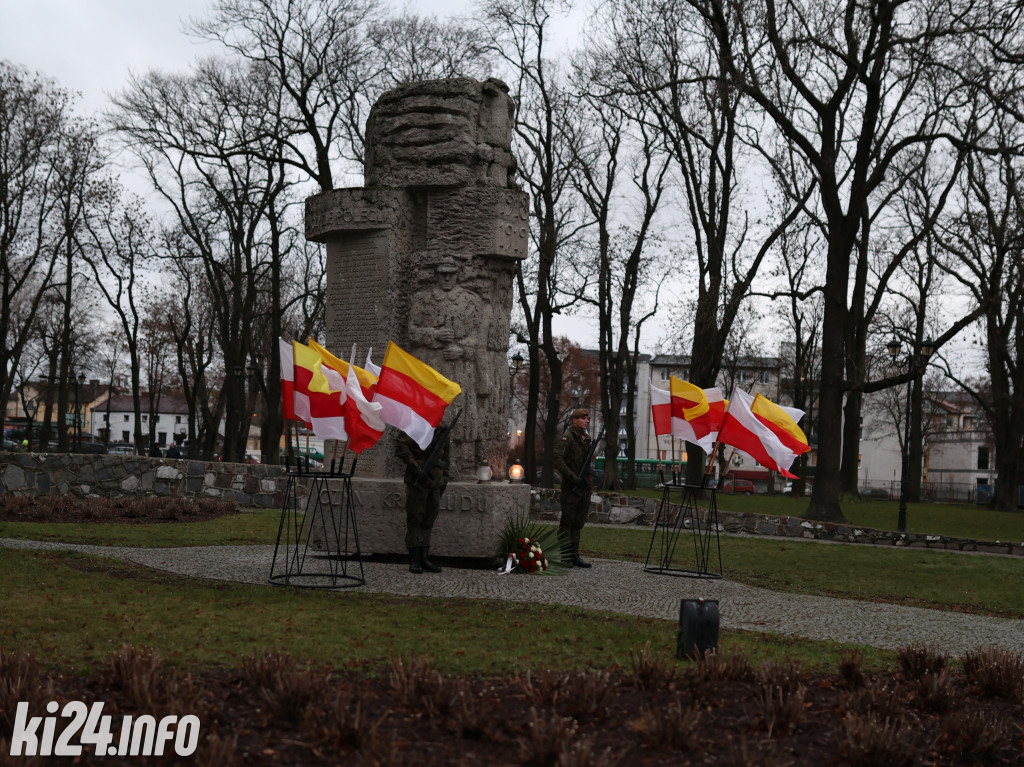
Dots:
{"x": 71, "y": 611}
{"x": 956, "y": 520}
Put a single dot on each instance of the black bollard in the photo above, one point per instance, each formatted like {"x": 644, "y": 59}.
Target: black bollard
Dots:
{"x": 698, "y": 628}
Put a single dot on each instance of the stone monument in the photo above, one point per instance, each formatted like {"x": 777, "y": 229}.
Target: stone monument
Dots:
{"x": 424, "y": 255}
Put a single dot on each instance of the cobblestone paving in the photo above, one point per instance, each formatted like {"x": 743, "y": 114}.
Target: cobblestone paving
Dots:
{"x": 612, "y": 586}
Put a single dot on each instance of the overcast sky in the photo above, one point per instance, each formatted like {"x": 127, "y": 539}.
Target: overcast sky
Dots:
{"x": 90, "y": 46}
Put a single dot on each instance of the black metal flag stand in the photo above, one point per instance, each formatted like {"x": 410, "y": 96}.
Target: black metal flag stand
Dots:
{"x": 670, "y": 524}
{"x": 338, "y": 563}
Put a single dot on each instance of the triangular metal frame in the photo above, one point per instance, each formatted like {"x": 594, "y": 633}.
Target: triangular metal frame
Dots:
{"x": 673, "y": 519}
{"x": 339, "y": 565}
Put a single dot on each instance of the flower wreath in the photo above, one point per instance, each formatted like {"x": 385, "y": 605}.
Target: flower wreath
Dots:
{"x": 527, "y": 557}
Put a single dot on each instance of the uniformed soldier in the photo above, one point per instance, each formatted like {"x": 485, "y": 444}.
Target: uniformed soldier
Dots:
{"x": 422, "y": 503}
{"x": 571, "y": 453}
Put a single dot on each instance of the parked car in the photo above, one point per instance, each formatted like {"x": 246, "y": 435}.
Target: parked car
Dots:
{"x": 876, "y": 493}
{"x": 120, "y": 449}
{"x": 741, "y": 486}
{"x": 92, "y": 448}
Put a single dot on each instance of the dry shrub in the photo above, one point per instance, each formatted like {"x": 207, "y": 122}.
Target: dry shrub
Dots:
{"x": 292, "y": 690}
{"x": 873, "y": 741}
{"x": 583, "y": 753}
{"x": 548, "y": 738}
{"x": 916, "y": 660}
{"x": 781, "y": 696}
{"x": 585, "y": 692}
{"x": 670, "y": 726}
{"x": 975, "y": 736}
{"x": 419, "y": 684}
{"x": 470, "y": 712}
{"x": 18, "y": 683}
{"x": 704, "y": 678}
{"x": 998, "y": 673}
{"x": 346, "y": 721}
{"x": 935, "y": 691}
{"x": 651, "y": 670}
{"x": 380, "y": 749}
{"x": 260, "y": 669}
{"x": 136, "y": 670}
{"x": 782, "y": 708}
{"x": 851, "y": 669}
{"x": 217, "y": 751}
{"x": 876, "y": 697}
{"x": 541, "y": 688}
{"x": 743, "y": 753}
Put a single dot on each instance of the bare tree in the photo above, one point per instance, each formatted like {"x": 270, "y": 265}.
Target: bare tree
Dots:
{"x": 666, "y": 55}
{"x": 324, "y": 66}
{"x": 522, "y": 31}
{"x": 616, "y": 158}
{"x": 33, "y": 117}
{"x": 986, "y": 241}
{"x": 119, "y": 240}
{"x": 415, "y": 48}
{"x": 855, "y": 89}
{"x": 185, "y": 130}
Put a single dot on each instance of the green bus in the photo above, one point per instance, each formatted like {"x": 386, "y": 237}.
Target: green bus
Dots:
{"x": 650, "y": 472}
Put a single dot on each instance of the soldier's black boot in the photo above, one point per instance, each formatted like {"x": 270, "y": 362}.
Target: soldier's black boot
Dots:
{"x": 577, "y": 561}
{"x": 415, "y": 560}
{"x": 428, "y": 566}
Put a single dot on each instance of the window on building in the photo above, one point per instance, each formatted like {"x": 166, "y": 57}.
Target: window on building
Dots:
{"x": 765, "y": 377}
{"x": 177, "y": 419}
{"x": 664, "y": 374}
{"x": 124, "y": 436}
{"x": 145, "y": 418}
{"x": 983, "y": 458}
{"x": 741, "y": 376}
{"x": 161, "y": 438}
{"x": 126, "y": 419}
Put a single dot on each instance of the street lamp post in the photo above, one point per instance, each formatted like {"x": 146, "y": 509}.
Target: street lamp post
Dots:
{"x": 78, "y": 413}
{"x": 916, "y": 363}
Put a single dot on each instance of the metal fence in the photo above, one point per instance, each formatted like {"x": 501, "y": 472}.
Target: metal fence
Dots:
{"x": 937, "y": 492}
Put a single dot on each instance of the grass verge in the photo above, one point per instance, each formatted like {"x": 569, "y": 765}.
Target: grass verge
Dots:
{"x": 71, "y": 611}
{"x": 942, "y": 580}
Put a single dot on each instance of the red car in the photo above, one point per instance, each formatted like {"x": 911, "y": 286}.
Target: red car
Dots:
{"x": 743, "y": 486}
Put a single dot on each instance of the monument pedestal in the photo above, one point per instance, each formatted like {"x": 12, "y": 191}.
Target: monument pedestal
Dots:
{"x": 472, "y": 515}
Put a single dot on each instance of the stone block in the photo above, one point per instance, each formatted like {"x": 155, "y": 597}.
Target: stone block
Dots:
{"x": 168, "y": 473}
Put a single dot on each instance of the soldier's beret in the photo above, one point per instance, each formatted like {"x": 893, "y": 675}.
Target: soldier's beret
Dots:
{"x": 580, "y": 412}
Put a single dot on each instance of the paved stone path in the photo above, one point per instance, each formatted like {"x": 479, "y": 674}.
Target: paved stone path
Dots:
{"x": 620, "y": 587}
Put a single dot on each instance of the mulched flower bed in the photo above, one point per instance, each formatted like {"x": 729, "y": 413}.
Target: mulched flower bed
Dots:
{"x": 275, "y": 710}
{"x": 145, "y": 509}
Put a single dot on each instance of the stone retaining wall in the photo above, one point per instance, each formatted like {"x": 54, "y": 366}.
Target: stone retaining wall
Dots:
{"x": 610, "y": 508}
{"x": 118, "y": 476}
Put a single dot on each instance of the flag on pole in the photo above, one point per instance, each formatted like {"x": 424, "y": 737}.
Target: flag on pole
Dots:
{"x": 717, "y": 405}
{"x": 362, "y": 417}
{"x": 370, "y": 366}
{"x": 783, "y": 423}
{"x": 320, "y": 391}
{"x": 413, "y": 396}
{"x": 367, "y": 380}
{"x": 661, "y": 410}
{"x": 754, "y": 424}
{"x": 287, "y": 380}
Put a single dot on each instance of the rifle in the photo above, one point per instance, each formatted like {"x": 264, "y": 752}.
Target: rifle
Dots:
{"x": 428, "y": 465}
{"x": 581, "y": 474}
